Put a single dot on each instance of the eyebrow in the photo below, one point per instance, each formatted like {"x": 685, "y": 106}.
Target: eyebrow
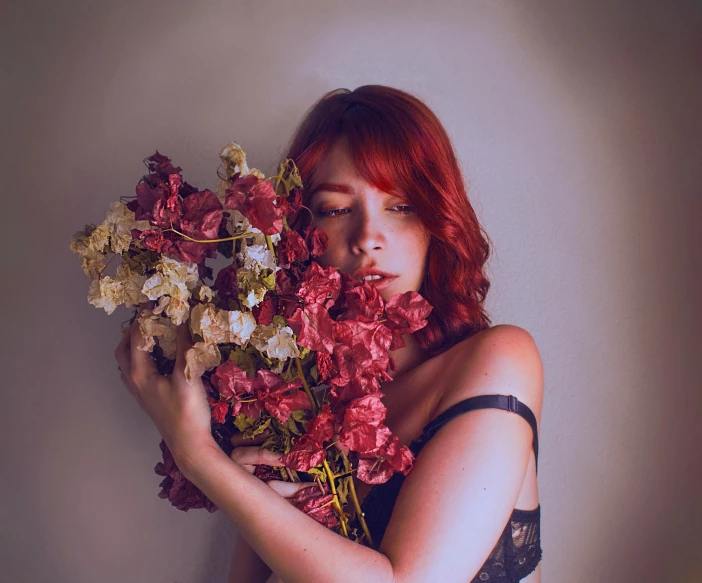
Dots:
{"x": 333, "y": 187}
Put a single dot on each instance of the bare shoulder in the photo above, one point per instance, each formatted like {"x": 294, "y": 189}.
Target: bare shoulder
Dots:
{"x": 503, "y": 359}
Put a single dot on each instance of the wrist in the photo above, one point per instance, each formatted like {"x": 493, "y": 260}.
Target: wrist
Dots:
{"x": 190, "y": 459}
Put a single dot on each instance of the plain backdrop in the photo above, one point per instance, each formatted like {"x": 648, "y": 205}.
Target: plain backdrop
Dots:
{"x": 577, "y": 125}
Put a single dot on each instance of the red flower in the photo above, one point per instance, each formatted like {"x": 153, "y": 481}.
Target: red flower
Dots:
{"x": 362, "y": 429}
{"x": 378, "y": 467}
{"x": 292, "y": 247}
{"x": 233, "y": 384}
{"x": 162, "y": 164}
{"x": 182, "y": 493}
{"x": 153, "y": 240}
{"x": 321, "y": 428}
{"x": 362, "y": 301}
{"x": 167, "y": 209}
{"x": 231, "y": 381}
{"x": 201, "y": 219}
{"x": 219, "y": 409}
{"x": 306, "y": 453}
{"x": 316, "y": 504}
{"x": 265, "y": 311}
{"x": 291, "y": 204}
{"x": 320, "y": 285}
{"x": 256, "y": 200}
{"x": 313, "y": 327}
{"x": 325, "y": 366}
{"x": 316, "y": 240}
{"x": 226, "y": 284}
{"x": 406, "y": 312}
{"x": 277, "y": 395}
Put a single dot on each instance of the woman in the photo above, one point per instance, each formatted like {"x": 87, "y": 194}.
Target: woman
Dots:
{"x": 382, "y": 180}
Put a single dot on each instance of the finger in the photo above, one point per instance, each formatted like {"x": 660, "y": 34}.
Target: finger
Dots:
{"x": 253, "y": 455}
{"x": 183, "y": 344}
{"x": 142, "y": 365}
{"x": 289, "y": 489}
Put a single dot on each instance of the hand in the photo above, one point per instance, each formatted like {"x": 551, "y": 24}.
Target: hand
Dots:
{"x": 249, "y": 456}
{"x": 178, "y": 408}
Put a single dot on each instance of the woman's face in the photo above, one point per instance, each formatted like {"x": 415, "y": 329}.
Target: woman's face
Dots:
{"x": 368, "y": 228}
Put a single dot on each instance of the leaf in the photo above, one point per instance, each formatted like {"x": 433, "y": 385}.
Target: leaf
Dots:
{"x": 280, "y": 321}
{"x": 292, "y": 426}
{"x": 314, "y": 373}
{"x": 243, "y": 360}
{"x": 317, "y": 472}
{"x": 262, "y": 427}
{"x": 269, "y": 281}
{"x": 343, "y": 490}
{"x": 243, "y": 422}
{"x": 299, "y": 415}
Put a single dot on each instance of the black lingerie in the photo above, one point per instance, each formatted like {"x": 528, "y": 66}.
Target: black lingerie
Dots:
{"x": 518, "y": 550}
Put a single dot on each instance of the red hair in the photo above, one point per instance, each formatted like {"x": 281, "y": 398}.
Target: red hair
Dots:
{"x": 399, "y": 146}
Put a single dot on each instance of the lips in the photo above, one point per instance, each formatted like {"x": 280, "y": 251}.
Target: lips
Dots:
{"x": 385, "y": 279}
{"x": 382, "y": 282}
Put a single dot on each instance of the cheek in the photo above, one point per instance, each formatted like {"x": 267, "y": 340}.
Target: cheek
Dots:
{"x": 331, "y": 253}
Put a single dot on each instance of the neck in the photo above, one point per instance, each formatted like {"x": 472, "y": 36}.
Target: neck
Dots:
{"x": 407, "y": 357}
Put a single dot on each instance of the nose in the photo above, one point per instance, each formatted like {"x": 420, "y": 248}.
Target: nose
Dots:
{"x": 369, "y": 233}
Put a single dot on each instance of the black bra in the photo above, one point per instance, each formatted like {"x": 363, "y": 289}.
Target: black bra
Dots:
{"x": 518, "y": 550}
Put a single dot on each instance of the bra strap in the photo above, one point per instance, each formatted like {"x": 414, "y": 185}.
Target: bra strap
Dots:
{"x": 505, "y": 402}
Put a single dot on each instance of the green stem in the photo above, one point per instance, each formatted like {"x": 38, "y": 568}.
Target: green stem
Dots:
{"x": 335, "y": 500}
{"x": 301, "y": 375}
{"x": 356, "y": 504}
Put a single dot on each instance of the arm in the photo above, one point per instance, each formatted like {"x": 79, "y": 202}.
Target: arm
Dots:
{"x": 450, "y": 510}
{"x": 295, "y": 546}
{"x": 246, "y": 565}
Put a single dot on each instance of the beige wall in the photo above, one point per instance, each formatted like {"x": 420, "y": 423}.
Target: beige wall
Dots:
{"x": 578, "y": 126}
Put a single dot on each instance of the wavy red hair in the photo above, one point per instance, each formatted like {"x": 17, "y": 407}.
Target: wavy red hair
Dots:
{"x": 399, "y": 145}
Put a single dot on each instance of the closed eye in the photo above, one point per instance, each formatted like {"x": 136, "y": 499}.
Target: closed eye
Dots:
{"x": 405, "y": 206}
{"x": 330, "y": 213}
{"x": 333, "y": 213}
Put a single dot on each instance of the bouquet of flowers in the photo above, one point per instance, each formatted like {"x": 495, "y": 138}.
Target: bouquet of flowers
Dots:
{"x": 281, "y": 343}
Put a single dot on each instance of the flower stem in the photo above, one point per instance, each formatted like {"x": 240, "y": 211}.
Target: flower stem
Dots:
{"x": 269, "y": 242}
{"x": 241, "y": 236}
{"x": 335, "y": 500}
{"x": 301, "y": 375}
{"x": 356, "y": 504}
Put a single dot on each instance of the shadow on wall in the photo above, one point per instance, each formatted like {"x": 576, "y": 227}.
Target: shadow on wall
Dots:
{"x": 630, "y": 71}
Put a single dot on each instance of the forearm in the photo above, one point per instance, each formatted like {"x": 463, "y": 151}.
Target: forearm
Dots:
{"x": 246, "y": 566}
{"x": 295, "y": 546}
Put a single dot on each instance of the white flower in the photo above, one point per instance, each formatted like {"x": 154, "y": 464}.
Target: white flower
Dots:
{"x": 175, "y": 308}
{"x": 276, "y": 342}
{"x": 154, "y": 327}
{"x": 90, "y": 244}
{"x": 241, "y": 326}
{"x": 171, "y": 286}
{"x": 222, "y": 326}
{"x": 133, "y": 282}
{"x": 119, "y": 223}
{"x": 204, "y": 293}
{"x": 201, "y": 357}
{"x": 256, "y": 258}
{"x": 256, "y": 290}
{"x": 125, "y": 288}
{"x": 106, "y": 293}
